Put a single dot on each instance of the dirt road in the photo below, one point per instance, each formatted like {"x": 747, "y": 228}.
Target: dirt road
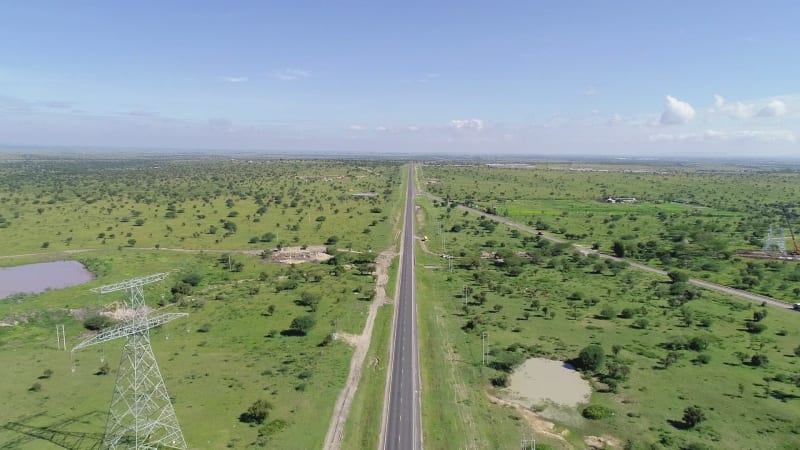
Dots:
{"x": 757, "y": 298}
{"x": 333, "y": 439}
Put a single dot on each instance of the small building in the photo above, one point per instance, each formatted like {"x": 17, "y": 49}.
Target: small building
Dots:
{"x": 621, "y": 200}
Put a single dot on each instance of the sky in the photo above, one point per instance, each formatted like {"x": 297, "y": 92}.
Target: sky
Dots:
{"x": 630, "y": 78}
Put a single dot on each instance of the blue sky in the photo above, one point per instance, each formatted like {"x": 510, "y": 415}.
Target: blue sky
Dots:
{"x": 648, "y": 78}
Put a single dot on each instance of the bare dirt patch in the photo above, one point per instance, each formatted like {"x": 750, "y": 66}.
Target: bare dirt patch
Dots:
{"x": 541, "y": 426}
{"x": 123, "y": 314}
{"x": 602, "y": 442}
{"x": 299, "y": 255}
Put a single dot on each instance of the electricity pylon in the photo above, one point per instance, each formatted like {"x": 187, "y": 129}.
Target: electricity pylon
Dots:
{"x": 775, "y": 241}
{"x": 141, "y": 414}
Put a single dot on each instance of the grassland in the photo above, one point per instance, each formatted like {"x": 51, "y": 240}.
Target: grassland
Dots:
{"x": 541, "y": 299}
{"x": 234, "y": 347}
{"x": 52, "y": 206}
{"x": 689, "y": 218}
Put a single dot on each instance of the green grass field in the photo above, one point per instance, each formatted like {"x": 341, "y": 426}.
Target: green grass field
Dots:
{"x": 690, "y": 218}
{"x": 551, "y": 304}
{"x": 230, "y": 351}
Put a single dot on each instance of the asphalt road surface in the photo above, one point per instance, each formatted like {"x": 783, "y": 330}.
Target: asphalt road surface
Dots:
{"x": 404, "y": 422}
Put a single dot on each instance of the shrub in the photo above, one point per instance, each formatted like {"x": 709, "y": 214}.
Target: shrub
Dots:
{"x": 693, "y": 415}
{"x": 257, "y": 412}
{"x": 703, "y": 358}
{"x": 326, "y": 341}
{"x": 301, "y": 325}
{"x": 500, "y": 380}
{"x": 105, "y": 369}
{"x": 759, "y": 361}
{"x": 597, "y": 412}
{"x": 698, "y": 343}
{"x": 608, "y": 312}
{"x": 755, "y": 327}
{"x": 678, "y": 277}
{"x": 192, "y": 278}
{"x": 590, "y": 358}
{"x": 505, "y": 361}
{"x": 309, "y": 300}
{"x": 97, "y": 322}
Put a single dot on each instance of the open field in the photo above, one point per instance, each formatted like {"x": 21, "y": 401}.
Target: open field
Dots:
{"x": 689, "y": 218}
{"x": 667, "y": 346}
{"x": 50, "y": 206}
{"x": 237, "y": 345}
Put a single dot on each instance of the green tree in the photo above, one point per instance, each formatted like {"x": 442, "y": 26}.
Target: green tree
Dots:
{"x": 257, "y": 413}
{"x": 590, "y": 358}
{"x": 698, "y": 343}
{"x": 755, "y": 327}
{"x": 301, "y": 325}
{"x": 677, "y": 276}
{"x": 608, "y": 312}
{"x": 308, "y": 300}
{"x": 693, "y": 415}
{"x": 759, "y": 360}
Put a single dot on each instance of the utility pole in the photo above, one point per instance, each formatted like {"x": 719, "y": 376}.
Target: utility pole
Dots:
{"x": 61, "y": 338}
{"x": 465, "y": 291}
{"x": 484, "y": 347}
{"x": 528, "y": 443}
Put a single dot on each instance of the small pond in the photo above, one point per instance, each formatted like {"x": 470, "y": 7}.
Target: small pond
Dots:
{"x": 540, "y": 380}
{"x": 36, "y": 278}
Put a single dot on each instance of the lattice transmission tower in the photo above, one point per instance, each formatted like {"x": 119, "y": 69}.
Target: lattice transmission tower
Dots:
{"x": 141, "y": 415}
{"x": 775, "y": 241}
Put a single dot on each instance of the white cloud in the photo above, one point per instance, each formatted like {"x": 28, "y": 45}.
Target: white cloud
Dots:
{"x": 413, "y": 128}
{"x": 290, "y": 74}
{"x": 676, "y": 112}
{"x": 356, "y": 127}
{"x": 765, "y": 136}
{"x": 737, "y": 110}
{"x": 381, "y": 128}
{"x": 235, "y": 79}
{"x": 774, "y": 108}
{"x": 719, "y": 101}
{"x": 466, "y": 124}
{"x": 590, "y": 91}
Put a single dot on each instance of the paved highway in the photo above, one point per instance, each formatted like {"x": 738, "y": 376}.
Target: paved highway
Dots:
{"x": 403, "y": 420}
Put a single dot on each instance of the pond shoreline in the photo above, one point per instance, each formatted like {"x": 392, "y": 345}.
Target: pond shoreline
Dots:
{"x": 40, "y": 277}
{"x": 540, "y": 381}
